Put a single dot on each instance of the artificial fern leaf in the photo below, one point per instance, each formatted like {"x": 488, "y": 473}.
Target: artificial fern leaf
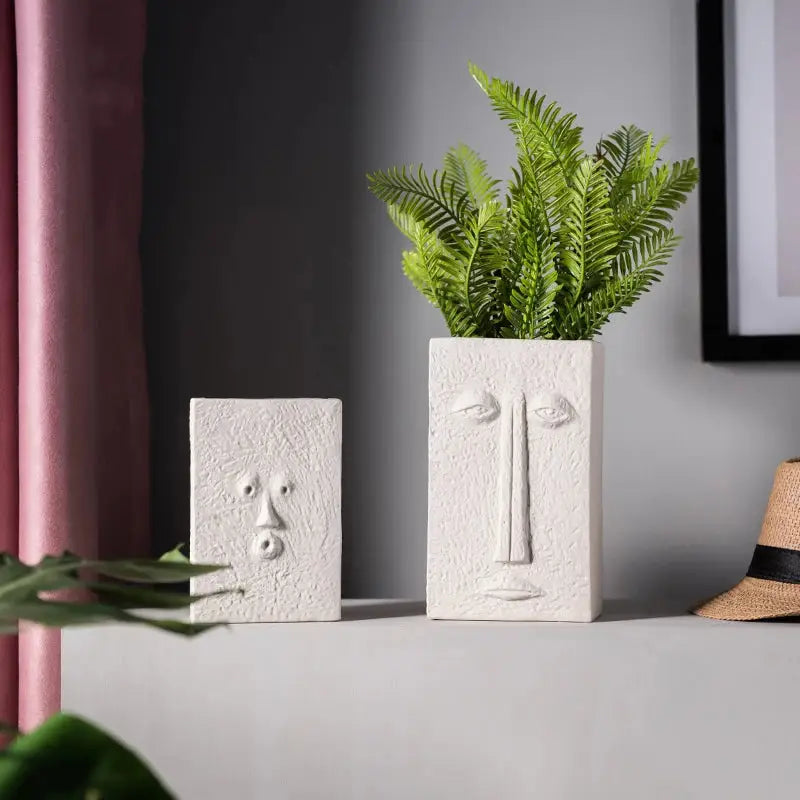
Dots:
{"x": 650, "y": 252}
{"x": 651, "y": 201}
{"x": 416, "y": 270}
{"x": 531, "y": 303}
{"x": 640, "y": 271}
{"x": 439, "y": 274}
{"x": 548, "y": 146}
{"x": 647, "y": 157}
{"x": 530, "y": 276}
{"x": 629, "y": 156}
{"x": 577, "y": 239}
{"x": 425, "y": 266}
{"x": 415, "y": 264}
{"x": 621, "y": 148}
{"x": 405, "y": 223}
{"x": 619, "y": 293}
{"x": 544, "y": 128}
{"x": 468, "y": 172}
{"x": 483, "y": 261}
{"x": 539, "y": 186}
{"x": 433, "y": 201}
{"x": 588, "y": 235}
{"x": 421, "y": 266}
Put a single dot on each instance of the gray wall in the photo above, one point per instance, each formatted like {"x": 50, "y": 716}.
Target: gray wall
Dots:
{"x": 262, "y": 119}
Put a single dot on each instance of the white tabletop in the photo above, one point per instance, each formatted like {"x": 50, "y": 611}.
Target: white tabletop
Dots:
{"x": 387, "y": 704}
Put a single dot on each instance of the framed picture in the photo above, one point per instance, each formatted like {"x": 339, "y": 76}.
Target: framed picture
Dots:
{"x": 748, "y": 68}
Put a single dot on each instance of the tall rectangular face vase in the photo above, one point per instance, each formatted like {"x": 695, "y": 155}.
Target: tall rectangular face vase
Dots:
{"x": 266, "y": 499}
{"x": 515, "y": 472}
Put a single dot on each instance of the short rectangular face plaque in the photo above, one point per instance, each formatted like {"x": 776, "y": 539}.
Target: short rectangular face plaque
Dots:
{"x": 266, "y": 499}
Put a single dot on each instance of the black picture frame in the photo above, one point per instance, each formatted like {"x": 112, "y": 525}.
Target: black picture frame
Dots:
{"x": 719, "y": 343}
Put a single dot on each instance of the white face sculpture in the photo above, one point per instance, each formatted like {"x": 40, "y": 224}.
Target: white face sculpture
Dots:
{"x": 509, "y": 480}
{"x": 266, "y": 485}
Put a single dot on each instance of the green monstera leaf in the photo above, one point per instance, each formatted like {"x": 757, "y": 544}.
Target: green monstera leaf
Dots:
{"x": 69, "y": 758}
{"x": 112, "y": 591}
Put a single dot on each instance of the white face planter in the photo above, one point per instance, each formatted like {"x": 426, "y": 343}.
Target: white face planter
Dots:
{"x": 514, "y": 503}
{"x": 266, "y": 489}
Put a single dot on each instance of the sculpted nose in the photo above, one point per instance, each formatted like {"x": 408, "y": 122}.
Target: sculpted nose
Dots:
{"x": 267, "y": 516}
{"x": 513, "y": 524}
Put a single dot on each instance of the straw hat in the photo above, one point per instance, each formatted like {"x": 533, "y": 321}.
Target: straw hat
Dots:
{"x": 772, "y": 586}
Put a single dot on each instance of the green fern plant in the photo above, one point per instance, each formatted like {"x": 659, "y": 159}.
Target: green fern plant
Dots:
{"x": 577, "y": 238}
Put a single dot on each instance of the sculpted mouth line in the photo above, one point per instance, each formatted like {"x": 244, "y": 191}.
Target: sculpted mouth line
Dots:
{"x": 509, "y": 589}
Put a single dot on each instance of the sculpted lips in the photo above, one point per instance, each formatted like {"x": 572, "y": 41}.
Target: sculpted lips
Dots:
{"x": 507, "y": 588}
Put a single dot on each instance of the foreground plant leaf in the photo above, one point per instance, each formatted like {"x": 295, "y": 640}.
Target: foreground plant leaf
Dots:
{"x": 69, "y": 758}
{"x": 57, "y": 614}
{"x": 123, "y": 596}
{"x": 175, "y": 555}
{"x": 145, "y": 570}
{"x": 25, "y": 591}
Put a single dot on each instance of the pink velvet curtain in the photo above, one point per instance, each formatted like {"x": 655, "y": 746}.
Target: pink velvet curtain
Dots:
{"x": 73, "y": 407}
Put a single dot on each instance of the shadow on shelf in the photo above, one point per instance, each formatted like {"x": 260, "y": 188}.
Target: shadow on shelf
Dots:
{"x": 614, "y": 610}
{"x": 619, "y": 609}
{"x": 383, "y": 609}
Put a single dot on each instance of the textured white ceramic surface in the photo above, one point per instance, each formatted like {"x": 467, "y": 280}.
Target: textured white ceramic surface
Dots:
{"x": 514, "y": 480}
{"x": 266, "y": 498}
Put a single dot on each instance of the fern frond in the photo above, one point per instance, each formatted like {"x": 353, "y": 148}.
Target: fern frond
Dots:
{"x": 629, "y": 157}
{"x": 642, "y": 269}
{"x": 500, "y": 263}
{"x": 539, "y": 186}
{"x": 621, "y": 148}
{"x": 651, "y": 201}
{"x": 426, "y": 266}
{"x": 578, "y": 238}
{"x": 530, "y": 275}
{"x": 416, "y": 270}
{"x": 650, "y": 252}
{"x": 419, "y": 265}
{"x": 530, "y": 306}
{"x": 548, "y": 146}
{"x": 588, "y": 235}
{"x": 431, "y": 200}
{"x": 544, "y": 128}
{"x": 617, "y": 295}
{"x": 484, "y": 260}
{"x": 460, "y": 282}
{"x": 405, "y": 223}
{"x": 468, "y": 172}
{"x": 474, "y": 265}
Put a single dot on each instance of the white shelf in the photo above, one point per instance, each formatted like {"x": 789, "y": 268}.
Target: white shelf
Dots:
{"x": 387, "y": 704}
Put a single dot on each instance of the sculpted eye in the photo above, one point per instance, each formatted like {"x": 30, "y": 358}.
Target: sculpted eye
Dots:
{"x": 552, "y": 410}
{"x": 280, "y": 485}
{"x": 476, "y": 405}
{"x": 247, "y": 485}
